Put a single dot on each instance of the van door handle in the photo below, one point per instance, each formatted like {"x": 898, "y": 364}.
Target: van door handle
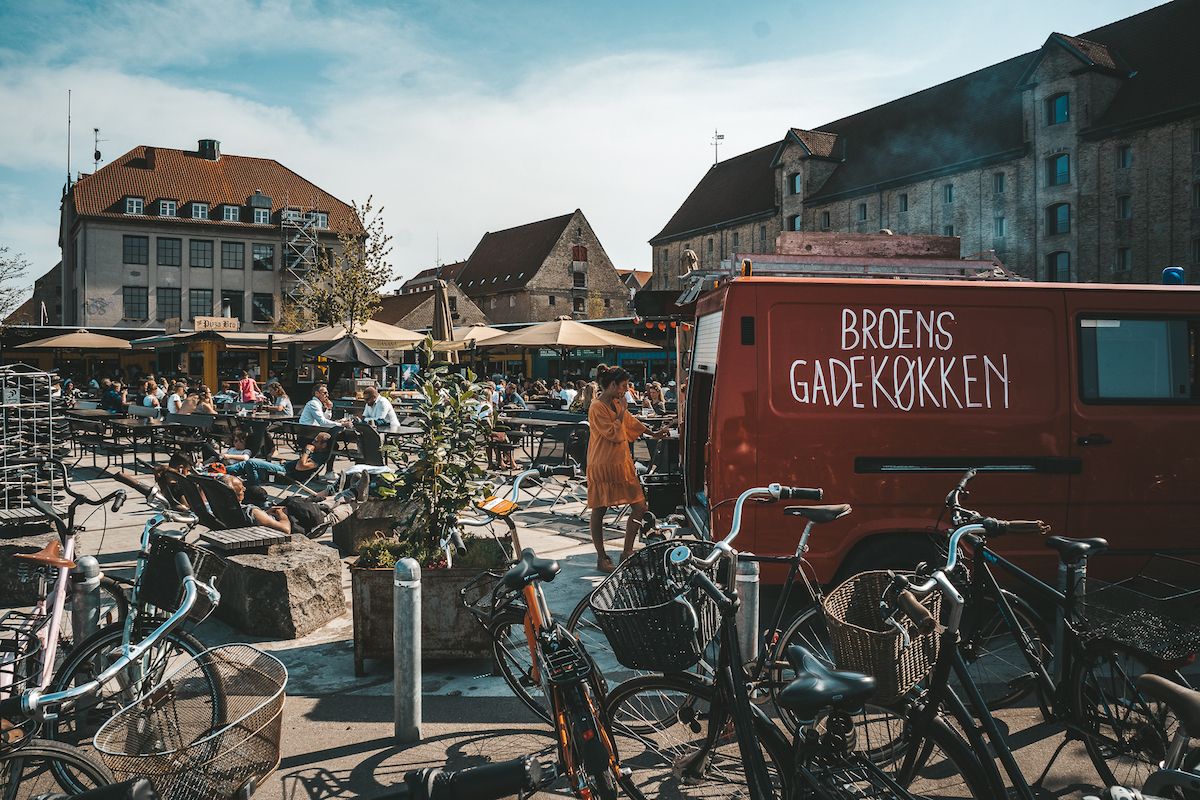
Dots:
{"x": 1093, "y": 439}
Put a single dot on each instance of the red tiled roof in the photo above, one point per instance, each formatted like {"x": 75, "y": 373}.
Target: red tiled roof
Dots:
{"x": 155, "y": 173}
{"x": 506, "y": 260}
{"x": 819, "y": 143}
{"x": 23, "y": 314}
{"x": 1095, "y": 52}
{"x": 642, "y": 276}
{"x": 448, "y": 272}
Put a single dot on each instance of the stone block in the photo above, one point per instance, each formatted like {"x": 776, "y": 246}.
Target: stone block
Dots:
{"x": 285, "y": 593}
{"x": 14, "y": 593}
{"x": 371, "y": 515}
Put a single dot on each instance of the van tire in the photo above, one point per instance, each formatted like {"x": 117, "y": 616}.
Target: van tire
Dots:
{"x": 895, "y": 551}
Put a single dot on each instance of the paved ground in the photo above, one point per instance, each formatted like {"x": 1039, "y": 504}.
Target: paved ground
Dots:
{"x": 338, "y": 728}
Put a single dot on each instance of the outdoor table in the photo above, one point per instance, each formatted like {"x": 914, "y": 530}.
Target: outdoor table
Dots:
{"x": 91, "y": 413}
{"x": 135, "y": 428}
{"x": 533, "y": 423}
{"x": 396, "y": 430}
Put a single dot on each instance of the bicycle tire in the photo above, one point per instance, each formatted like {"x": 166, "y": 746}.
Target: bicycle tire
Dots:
{"x": 592, "y": 754}
{"x": 1124, "y": 750}
{"x": 652, "y": 716}
{"x": 36, "y": 768}
{"x": 997, "y": 664}
{"x": 510, "y": 649}
{"x": 79, "y": 725}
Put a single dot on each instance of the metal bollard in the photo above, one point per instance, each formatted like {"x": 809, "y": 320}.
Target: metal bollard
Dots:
{"x": 747, "y": 615}
{"x": 85, "y": 598}
{"x": 406, "y": 650}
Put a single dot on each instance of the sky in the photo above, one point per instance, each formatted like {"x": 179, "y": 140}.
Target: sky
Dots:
{"x": 463, "y": 117}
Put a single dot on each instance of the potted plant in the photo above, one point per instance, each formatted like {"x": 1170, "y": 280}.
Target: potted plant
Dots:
{"x": 440, "y": 482}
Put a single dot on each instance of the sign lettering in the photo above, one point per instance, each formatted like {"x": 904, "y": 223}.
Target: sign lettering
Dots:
{"x": 217, "y": 324}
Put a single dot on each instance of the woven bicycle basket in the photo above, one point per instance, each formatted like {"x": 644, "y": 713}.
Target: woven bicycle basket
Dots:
{"x": 863, "y": 642}
{"x": 640, "y": 608}
{"x": 159, "y": 584}
{"x": 209, "y": 731}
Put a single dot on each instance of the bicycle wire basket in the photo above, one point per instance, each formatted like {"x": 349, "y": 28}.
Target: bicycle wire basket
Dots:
{"x": 487, "y": 598}
{"x": 209, "y": 731}
{"x": 845, "y": 777}
{"x": 1156, "y": 612}
{"x": 159, "y": 584}
{"x": 20, "y": 665}
{"x": 641, "y": 610}
{"x": 863, "y": 642}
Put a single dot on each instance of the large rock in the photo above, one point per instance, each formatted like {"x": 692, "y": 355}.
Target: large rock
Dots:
{"x": 14, "y": 593}
{"x": 286, "y": 593}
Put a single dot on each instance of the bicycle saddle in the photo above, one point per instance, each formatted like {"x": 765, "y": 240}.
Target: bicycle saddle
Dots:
{"x": 1183, "y": 701}
{"x": 51, "y": 555}
{"x": 1072, "y": 551}
{"x": 819, "y": 514}
{"x": 529, "y": 568}
{"x": 819, "y": 687}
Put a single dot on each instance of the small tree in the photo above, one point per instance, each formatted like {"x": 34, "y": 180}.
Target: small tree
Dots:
{"x": 12, "y": 272}
{"x": 344, "y": 287}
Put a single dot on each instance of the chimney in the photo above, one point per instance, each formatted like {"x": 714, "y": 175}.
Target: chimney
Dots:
{"x": 210, "y": 149}
{"x": 149, "y": 157}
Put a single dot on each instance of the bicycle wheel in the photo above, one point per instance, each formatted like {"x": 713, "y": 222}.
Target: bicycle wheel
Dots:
{"x": 1128, "y": 733}
{"x": 590, "y": 745}
{"x": 37, "y": 769}
{"x": 84, "y": 663}
{"x": 678, "y": 745}
{"x": 511, "y": 650}
{"x": 994, "y": 656}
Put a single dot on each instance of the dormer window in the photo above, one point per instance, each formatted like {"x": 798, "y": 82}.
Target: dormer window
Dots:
{"x": 290, "y": 215}
{"x": 262, "y": 216}
{"x": 166, "y": 208}
{"x": 1058, "y": 109}
{"x": 199, "y": 210}
{"x": 135, "y": 205}
{"x": 794, "y": 183}
{"x": 232, "y": 214}
{"x": 319, "y": 219}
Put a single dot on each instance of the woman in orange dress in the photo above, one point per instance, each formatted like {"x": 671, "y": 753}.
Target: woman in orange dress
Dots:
{"x": 611, "y": 479}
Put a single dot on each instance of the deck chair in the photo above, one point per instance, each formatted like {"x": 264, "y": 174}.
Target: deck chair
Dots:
{"x": 298, "y": 486}
{"x": 370, "y": 446}
{"x": 222, "y": 501}
{"x": 555, "y": 450}
{"x": 197, "y": 504}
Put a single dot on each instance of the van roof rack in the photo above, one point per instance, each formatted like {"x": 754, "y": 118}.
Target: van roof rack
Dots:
{"x": 853, "y": 255}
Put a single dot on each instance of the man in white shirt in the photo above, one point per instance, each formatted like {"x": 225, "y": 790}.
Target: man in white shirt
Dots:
{"x": 378, "y": 409}
{"x": 568, "y": 394}
{"x": 315, "y": 410}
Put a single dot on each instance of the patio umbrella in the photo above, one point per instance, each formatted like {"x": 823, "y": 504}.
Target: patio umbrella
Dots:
{"x": 373, "y": 333}
{"x": 351, "y": 350}
{"x": 79, "y": 340}
{"x": 565, "y": 333}
{"x": 477, "y": 333}
{"x": 443, "y": 322}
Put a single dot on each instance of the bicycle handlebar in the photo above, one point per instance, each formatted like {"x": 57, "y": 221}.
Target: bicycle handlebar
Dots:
{"x": 917, "y": 613}
{"x": 770, "y": 494}
{"x": 65, "y": 526}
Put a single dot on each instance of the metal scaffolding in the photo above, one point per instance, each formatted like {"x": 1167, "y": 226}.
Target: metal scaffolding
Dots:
{"x": 300, "y": 232}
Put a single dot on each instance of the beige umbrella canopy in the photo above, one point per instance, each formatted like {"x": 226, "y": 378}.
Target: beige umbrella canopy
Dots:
{"x": 477, "y": 333}
{"x": 79, "y": 340}
{"x": 566, "y": 334}
{"x": 373, "y": 333}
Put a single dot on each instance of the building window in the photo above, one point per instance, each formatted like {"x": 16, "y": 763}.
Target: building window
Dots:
{"x": 862, "y": 212}
{"x": 1196, "y": 140}
{"x": 512, "y": 301}
{"x": 262, "y": 307}
{"x": 168, "y": 306}
{"x": 233, "y": 303}
{"x": 998, "y": 182}
{"x": 491, "y": 302}
{"x": 1058, "y": 266}
{"x": 1124, "y": 207}
{"x": 1058, "y": 109}
{"x": 263, "y": 256}
{"x": 1058, "y": 219}
{"x": 762, "y": 238}
{"x": 579, "y": 280}
{"x": 947, "y": 230}
{"x": 998, "y": 227}
{"x": 710, "y": 244}
{"x": 262, "y": 216}
{"x": 552, "y": 300}
{"x": 794, "y": 223}
{"x": 1196, "y": 250}
{"x": 1196, "y": 195}
{"x": 794, "y": 183}
{"x": 319, "y": 219}
{"x": 199, "y": 210}
{"x": 136, "y": 301}
{"x": 170, "y": 252}
{"x": 902, "y": 202}
{"x": 607, "y": 304}
{"x": 134, "y": 205}
{"x": 166, "y": 208}
{"x": 736, "y": 239}
{"x": 453, "y": 304}
{"x": 577, "y": 305}
{"x": 201, "y": 254}
{"x": 233, "y": 214}
{"x": 1058, "y": 170}
{"x": 948, "y": 193}
{"x": 200, "y": 303}
{"x": 1124, "y": 156}
{"x": 1124, "y": 262}
{"x": 825, "y": 224}
{"x": 233, "y": 255}
{"x": 666, "y": 257}
{"x": 136, "y": 250}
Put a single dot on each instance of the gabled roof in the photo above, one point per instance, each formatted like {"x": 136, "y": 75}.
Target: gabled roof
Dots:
{"x": 506, "y": 260}
{"x": 642, "y": 276}
{"x": 739, "y": 187}
{"x": 23, "y": 314}
{"x": 447, "y": 272}
{"x": 155, "y": 173}
{"x": 818, "y": 144}
{"x": 1094, "y": 53}
{"x": 395, "y": 307}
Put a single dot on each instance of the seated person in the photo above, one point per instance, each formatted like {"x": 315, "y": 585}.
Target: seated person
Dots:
{"x": 280, "y": 402}
{"x": 237, "y": 451}
{"x": 378, "y": 409}
{"x": 297, "y": 515}
{"x": 257, "y": 471}
{"x": 113, "y": 399}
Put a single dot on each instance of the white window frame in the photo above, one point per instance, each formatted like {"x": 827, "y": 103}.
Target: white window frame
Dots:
{"x": 231, "y": 213}
{"x": 262, "y": 216}
{"x": 199, "y": 210}
{"x": 319, "y": 219}
{"x": 168, "y": 208}
{"x": 135, "y": 205}
{"x": 706, "y": 343}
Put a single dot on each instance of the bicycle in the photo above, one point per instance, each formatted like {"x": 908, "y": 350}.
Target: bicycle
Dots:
{"x": 30, "y": 766}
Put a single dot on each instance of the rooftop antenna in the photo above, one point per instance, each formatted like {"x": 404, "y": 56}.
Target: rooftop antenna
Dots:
{"x": 68, "y": 138}
{"x": 716, "y": 143}
{"x": 96, "y": 157}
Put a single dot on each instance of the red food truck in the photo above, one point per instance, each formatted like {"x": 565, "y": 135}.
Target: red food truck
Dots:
{"x": 1083, "y": 399}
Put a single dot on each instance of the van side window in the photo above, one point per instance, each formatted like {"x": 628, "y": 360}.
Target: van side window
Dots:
{"x": 708, "y": 338}
{"x": 1138, "y": 360}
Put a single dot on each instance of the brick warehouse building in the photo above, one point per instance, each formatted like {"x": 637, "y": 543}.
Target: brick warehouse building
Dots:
{"x": 1077, "y": 161}
{"x": 161, "y": 233}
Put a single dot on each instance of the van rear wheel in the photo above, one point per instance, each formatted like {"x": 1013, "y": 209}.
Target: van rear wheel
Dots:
{"x": 895, "y": 551}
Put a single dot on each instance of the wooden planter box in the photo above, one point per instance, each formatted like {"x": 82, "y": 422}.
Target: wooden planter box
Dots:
{"x": 448, "y": 631}
{"x": 372, "y": 515}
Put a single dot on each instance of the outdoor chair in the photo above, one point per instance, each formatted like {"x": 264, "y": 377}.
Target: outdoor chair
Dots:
{"x": 169, "y": 486}
{"x": 86, "y": 405}
{"x": 93, "y": 436}
{"x": 188, "y": 432}
{"x": 222, "y": 501}
{"x": 370, "y": 446}
{"x": 198, "y": 505}
{"x": 144, "y": 412}
{"x": 555, "y": 448}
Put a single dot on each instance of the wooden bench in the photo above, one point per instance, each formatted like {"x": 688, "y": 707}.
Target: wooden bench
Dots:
{"x": 242, "y": 540}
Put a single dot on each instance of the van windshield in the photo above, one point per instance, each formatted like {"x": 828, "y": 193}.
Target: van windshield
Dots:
{"x": 699, "y": 397}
